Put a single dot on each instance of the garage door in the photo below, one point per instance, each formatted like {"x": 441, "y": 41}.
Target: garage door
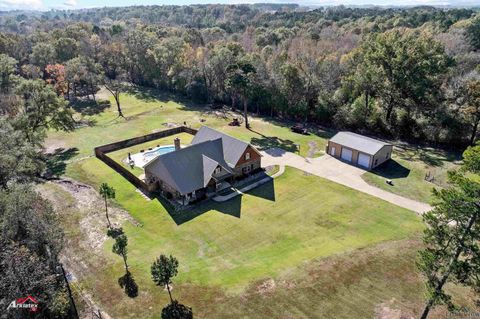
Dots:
{"x": 332, "y": 151}
{"x": 364, "y": 160}
{"x": 346, "y": 154}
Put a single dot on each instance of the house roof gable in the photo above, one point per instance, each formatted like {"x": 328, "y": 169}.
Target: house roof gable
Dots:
{"x": 189, "y": 168}
{"x": 233, "y": 148}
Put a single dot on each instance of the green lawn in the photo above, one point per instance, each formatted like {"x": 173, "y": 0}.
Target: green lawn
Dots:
{"x": 299, "y": 247}
{"x": 408, "y": 168}
{"x": 354, "y": 284}
{"x": 271, "y": 231}
{"x": 146, "y": 113}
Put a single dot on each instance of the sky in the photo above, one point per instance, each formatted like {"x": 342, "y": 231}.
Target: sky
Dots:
{"x": 78, "y": 4}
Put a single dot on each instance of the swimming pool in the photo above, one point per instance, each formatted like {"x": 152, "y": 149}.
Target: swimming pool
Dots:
{"x": 143, "y": 158}
{"x": 159, "y": 151}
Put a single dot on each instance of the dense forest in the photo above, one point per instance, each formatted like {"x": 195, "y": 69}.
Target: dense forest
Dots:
{"x": 410, "y": 74}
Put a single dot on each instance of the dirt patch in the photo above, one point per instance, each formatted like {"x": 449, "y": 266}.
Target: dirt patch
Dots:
{"x": 82, "y": 214}
{"x": 52, "y": 145}
{"x": 266, "y": 287}
{"x": 91, "y": 206}
{"x": 312, "y": 149}
{"x": 288, "y": 284}
{"x": 386, "y": 311}
{"x": 225, "y": 113}
{"x": 103, "y": 94}
{"x": 168, "y": 125}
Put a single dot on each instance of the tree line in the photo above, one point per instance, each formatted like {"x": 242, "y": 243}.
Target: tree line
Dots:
{"x": 30, "y": 236}
{"x": 410, "y": 74}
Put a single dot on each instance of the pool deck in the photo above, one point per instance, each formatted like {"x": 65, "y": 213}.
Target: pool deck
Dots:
{"x": 142, "y": 158}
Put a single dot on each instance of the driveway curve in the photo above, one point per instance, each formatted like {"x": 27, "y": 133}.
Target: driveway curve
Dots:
{"x": 337, "y": 171}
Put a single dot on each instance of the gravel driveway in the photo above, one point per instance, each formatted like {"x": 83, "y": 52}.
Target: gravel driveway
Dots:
{"x": 337, "y": 171}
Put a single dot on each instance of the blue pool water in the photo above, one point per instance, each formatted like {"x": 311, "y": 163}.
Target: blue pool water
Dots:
{"x": 159, "y": 151}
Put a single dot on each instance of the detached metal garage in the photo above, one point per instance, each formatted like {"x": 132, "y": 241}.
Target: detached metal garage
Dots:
{"x": 359, "y": 150}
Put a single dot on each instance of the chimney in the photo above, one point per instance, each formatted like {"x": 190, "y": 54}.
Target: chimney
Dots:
{"x": 176, "y": 142}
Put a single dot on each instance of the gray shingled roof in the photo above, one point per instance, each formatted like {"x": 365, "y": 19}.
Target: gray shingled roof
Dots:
{"x": 232, "y": 148}
{"x": 358, "y": 142}
{"x": 189, "y": 168}
{"x": 209, "y": 166}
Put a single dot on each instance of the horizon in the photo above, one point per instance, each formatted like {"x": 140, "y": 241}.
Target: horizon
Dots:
{"x": 47, "y": 5}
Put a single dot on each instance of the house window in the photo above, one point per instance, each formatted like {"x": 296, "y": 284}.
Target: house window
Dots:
{"x": 218, "y": 170}
{"x": 376, "y": 161}
{"x": 247, "y": 156}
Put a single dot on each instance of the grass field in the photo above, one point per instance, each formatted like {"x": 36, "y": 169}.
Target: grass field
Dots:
{"x": 368, "y": 282}
{"x": 363, "y": 283}
{"x": 408, "y": 168}
{"x": 271, "y": 231}
{"x": 298, "y": 247}
{"x": 145, "y": 113}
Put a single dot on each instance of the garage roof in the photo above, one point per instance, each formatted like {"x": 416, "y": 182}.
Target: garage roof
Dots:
{"x": 358, "y": 142}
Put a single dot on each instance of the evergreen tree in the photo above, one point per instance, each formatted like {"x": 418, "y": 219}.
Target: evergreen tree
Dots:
{"x": 452, "y": 237}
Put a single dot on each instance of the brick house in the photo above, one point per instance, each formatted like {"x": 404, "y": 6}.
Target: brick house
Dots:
{"x": 200, "y": 169}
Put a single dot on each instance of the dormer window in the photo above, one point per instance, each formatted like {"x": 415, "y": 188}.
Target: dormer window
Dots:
{"x": 247, "y": 156}
{"x": 218, "y": 170}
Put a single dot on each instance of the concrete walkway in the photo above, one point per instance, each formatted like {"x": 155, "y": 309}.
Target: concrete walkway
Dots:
{"x": 337, "y": 171}
{"x": 237, "y": 192}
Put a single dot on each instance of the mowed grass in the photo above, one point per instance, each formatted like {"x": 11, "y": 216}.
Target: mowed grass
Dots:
{"x": 408, "y": 168}
{"x": 381, "y": 281}
{"x": 282, "y": 231}
{"x": 149, "y": 113}
{"x": 226, "y": 247}
{"x": 355, "y": 284}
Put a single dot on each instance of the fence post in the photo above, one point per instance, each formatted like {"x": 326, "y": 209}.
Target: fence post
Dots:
{"x": 70, "y": 295}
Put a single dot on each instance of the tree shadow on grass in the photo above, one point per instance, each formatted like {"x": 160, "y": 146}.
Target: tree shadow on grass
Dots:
{"x": 176, "y": 310}
{"x": 208, "y": 109}
{"x": 391, "y": 170}
{"x": 91, "y": 107}
{"x": 430, "y": 159}
{"x": 146, "y": 94}
{"x": 312, "y": 129}
{"x": 264, "y": 142}
{"x": 128, "y": 284}
{"x": 267, "y": 142}
{"x": 57, "y": 161}
{"x": 157, "y": 95}
{"x": 429, "y": 156}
